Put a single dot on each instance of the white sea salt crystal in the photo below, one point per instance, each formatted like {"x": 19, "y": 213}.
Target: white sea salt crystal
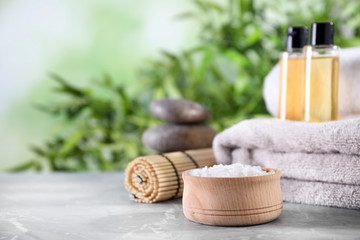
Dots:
{"x": 234, "y": 170}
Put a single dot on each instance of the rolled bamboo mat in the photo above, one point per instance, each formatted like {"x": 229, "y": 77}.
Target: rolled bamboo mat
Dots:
{"x": 159, "y": 177}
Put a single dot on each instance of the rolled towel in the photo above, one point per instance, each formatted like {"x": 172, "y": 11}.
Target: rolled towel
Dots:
{"x": 326, "y": 152}
{"x": 349, "y": 84}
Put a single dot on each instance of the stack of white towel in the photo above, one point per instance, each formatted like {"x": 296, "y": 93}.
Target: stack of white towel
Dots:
{"x": 320, "y": 162}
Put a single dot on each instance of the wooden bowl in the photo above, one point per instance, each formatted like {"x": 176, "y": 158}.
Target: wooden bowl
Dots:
{"x": 236, "y": 201}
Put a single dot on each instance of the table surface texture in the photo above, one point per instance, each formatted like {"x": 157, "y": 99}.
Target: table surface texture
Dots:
{"x": 97, "y": 206}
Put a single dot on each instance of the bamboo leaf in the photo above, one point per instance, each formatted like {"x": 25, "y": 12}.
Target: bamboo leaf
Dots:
{"x": 186, "y": 15}
{"x": 71, "y": 143}
{"x": 33, "y": 164}
{"x": 38, "y": 151}
{"x": 66, "y": 87}
{"x": 207, "y": 5}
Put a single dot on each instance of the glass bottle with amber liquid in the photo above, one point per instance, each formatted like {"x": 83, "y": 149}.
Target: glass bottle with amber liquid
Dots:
{"x": 292, "y": 75}
{"x": 321, "y": 74}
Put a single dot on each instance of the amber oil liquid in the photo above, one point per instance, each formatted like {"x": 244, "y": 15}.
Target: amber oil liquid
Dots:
{"x": 291, "y": 88}
{"x": 321, "y": 89}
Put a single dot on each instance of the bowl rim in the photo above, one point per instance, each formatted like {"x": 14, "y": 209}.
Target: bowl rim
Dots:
{"x": 276, "y": 175}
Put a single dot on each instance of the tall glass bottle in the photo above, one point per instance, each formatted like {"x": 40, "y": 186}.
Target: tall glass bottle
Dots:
{"x": 292, "y": 75}
{"x": 321, "y": 74}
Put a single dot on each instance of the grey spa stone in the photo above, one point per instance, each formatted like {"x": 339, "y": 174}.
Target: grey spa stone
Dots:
{"x": 179, "y": 111}
{"x": 174, "y": 137}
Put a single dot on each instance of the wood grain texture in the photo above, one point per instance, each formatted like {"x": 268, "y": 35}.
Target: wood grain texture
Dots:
{"x": 232, "y": 201}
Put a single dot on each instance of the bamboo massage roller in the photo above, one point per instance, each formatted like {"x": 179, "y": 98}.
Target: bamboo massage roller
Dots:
{"x": 159, "y": 177}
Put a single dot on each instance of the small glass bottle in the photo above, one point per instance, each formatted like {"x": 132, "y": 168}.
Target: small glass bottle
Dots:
{"x": 292, "y": 75}
{"x": 321, "y": 74}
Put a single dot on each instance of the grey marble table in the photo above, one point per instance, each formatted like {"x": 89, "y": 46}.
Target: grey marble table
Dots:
{"x": 96, "y": 206}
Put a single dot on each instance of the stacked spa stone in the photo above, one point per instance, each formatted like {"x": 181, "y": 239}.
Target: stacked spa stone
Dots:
{"x": 185, "y": 128}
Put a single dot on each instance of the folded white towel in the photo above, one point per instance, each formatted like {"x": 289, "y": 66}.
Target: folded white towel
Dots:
{"x": 323, "y": 156}
{"x": 320, "y": 193}
{"x": 274, "y": 135}
{"x": 349, "y": 84}
{"x": 325, "y": 167}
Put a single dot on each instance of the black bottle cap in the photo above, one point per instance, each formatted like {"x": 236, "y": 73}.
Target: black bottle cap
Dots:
{"x": 297, "y": 37}
{"x": 322, "y": 33}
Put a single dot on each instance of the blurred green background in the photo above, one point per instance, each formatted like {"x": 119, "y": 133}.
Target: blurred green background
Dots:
{"x": 77, "y": 77}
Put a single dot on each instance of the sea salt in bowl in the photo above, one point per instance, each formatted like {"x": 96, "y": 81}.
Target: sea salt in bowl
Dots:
{"x": 232, "y": 201}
